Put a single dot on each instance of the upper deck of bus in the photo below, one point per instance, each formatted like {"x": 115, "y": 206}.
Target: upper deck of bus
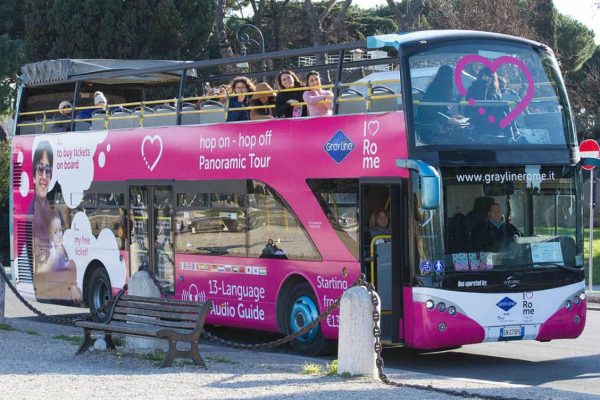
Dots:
{"x": 384, "y": 73}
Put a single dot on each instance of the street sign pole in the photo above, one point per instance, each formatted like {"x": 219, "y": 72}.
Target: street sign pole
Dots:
{"x": 591, "y": 250}
{"x": 589, "y": 148}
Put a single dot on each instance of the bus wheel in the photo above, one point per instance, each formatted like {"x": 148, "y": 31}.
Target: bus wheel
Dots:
{"x": 302, "y": 310}
{"x": 99, "y": 292}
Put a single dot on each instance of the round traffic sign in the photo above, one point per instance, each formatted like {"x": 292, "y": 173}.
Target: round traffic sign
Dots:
{"x": 589, "y": 148}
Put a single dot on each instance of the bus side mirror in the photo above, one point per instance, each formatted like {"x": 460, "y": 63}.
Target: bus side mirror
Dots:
{"x": 429, "y": 180}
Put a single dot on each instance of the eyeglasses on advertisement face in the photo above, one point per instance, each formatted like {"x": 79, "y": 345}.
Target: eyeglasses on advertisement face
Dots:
{"x": 44, "y": 169}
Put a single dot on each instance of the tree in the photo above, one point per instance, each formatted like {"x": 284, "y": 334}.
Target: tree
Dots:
{"x": 575, "y": 44}
{"x": 411, "y": 18}
{"x": 583, "y": 87}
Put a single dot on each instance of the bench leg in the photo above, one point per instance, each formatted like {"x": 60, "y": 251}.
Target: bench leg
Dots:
{"x": 109, "y": 342}
{"x": 196, "y": 357}
{"x": 170, "y": 357}
{"x": 87, "y": 342}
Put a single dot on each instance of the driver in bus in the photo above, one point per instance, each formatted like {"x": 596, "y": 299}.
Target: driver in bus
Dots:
{"x": 493, "y": 233}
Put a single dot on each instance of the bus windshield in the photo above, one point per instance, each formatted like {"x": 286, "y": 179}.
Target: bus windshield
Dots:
{"x": 510, "y": 219}
{"x": 488, "y": 93}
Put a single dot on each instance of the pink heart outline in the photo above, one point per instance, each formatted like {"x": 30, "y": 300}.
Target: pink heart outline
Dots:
{"x": 493, "y": 66}
{"x": 151, "y": 139}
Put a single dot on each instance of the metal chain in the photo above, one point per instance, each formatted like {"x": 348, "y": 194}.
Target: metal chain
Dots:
{"x": 379, "y": 360}
{"x": 52, "y": 318}
{"x": 157, "y": 283}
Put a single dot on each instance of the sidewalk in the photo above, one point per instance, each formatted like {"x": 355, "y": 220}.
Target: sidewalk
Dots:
{"x": 38, "y": 361}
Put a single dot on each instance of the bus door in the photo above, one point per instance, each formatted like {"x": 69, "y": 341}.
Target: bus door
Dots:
{"x": 151, "y": 228}
{"x": 383, "y": 222}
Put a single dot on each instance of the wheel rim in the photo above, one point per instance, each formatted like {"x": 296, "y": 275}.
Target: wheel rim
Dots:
{"x": 304, "y": 312}
{"x": 101, "y": 294}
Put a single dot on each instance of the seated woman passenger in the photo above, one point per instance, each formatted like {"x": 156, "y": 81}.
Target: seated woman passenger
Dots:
{"x": 264, "y": 99}
{"x": 319, "y": 101}
{"x": 239, "y": 86}
{"x": 287, "y": 102}
{"x": 379, "y": 223}
{"x": 432, "y": 119}
{"x": 64, "y": 114}
{"x": 99, "y": 102}
{"x": 485, "y": 87}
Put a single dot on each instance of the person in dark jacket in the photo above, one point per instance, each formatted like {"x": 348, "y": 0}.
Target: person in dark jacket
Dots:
{"x": 486, "y": 87}
{"x": 287, "y": 103}
{"x": 238, "y": 99}
{"x": 494, "y": 233}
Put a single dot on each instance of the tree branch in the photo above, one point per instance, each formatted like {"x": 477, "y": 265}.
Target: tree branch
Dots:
{"x": 327, "y": 10}
{"x": 340, "y": 17}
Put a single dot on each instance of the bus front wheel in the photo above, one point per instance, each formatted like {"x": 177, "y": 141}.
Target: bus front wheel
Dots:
{"x": 99, "y": 292}
{"x": 302, "y": 309}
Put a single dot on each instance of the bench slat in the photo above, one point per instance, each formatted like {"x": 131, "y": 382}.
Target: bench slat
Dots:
{"x": 155, "y": 322}
{"x": 121, "y": 327}
{"x": 159, "y": 300}
{"x": 159, "y": 314}
{"x": 156, "y": 306}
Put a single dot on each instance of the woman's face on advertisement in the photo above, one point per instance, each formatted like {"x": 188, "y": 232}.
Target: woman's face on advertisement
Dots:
{"x": 43, "y": 175}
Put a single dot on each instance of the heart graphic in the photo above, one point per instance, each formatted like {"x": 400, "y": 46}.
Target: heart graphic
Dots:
{"x": 149, "y": 149}
{"x": 373, "y": 127}
{"x": 493, "y": 65}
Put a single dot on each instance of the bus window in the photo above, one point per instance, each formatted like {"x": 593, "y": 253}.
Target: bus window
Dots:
{"x": 486, "y": 93}
{"x": 213, "y": 227}
{"x": 339, "y": 200}
{"x": 270, "y": 218}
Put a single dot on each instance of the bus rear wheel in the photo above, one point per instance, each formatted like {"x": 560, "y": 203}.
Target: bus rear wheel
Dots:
{"x": 302, "y": 309}
{"x": 99, "y": 292}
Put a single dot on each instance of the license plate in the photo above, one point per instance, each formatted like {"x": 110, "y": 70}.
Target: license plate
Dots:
{"x": 511, "y": 332}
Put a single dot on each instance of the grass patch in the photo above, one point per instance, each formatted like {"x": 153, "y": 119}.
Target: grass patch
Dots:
{"x": 156, "y": 355}
{"x": 32, "y": 333}
{"x": 118, "y": 341}
{"x": 595, "y": 254}
{"x": 6, "y": 327}
{"x": 311, "y": 369}
{"x": 78, "y": 340}
{"x": 331, "y": 368}
{"x": 222, "y": 360}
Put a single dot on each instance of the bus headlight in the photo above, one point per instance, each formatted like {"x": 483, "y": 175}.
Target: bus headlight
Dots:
{"x": 429, "y": 304}
{"x": 582, "y": 296}
{"x": 442, "y": 326}
{"x": 576, "y": 300}
{"x": 441, "y": 307}
{"x": 452, "y": 310}
{"x": 577, "y": 319}
{"x": 568, "y": 304}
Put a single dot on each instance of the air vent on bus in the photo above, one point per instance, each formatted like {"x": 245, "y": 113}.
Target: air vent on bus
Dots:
{"x": 24, "y": 235}
{"x": 16, "y": 178}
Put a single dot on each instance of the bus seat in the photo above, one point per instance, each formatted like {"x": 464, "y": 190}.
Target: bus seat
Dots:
{"x": 387, "y": 104}
{"x": 351, "y": 101}
{"x": 133, "y": 121}
{"x": 98, "y": 123}
{"x": 82, "y": 126}
{"x": 214, "y": 117}
{"x": 189, "y": 119}
{"x": 27, "y": 130}
{"x": 163, "y": 120}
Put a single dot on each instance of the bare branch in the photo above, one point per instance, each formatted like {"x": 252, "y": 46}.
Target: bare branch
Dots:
{"x": 340, "y": 17}
{"x": 327, "y": 10}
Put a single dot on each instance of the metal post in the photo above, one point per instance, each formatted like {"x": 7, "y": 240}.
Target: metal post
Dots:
{"x": 591, "y": 250}
{"x": 246, "y": 41}
{"x": 2, "y": 294}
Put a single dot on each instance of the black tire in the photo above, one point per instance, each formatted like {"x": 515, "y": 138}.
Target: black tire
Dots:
{"x": 99, "y": 292}
{"x": 301, "y": 309}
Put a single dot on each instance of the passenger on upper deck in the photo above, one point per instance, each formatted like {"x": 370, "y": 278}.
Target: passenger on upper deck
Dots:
{"x": 485, "y": 87}
{"x": 432, "y": 119}
{"x": 319, "y": 101}
{"x": 265, "y": 99}
{"x": 64, "y": 114}
{"x": 218, "y": 94}
{"x": 286, "y": 104}
{"x": 239, "y": 86}
{"x": 99, "y": 101}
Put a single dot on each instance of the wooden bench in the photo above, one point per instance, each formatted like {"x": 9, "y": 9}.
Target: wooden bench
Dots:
{"x": 174, "y": 320}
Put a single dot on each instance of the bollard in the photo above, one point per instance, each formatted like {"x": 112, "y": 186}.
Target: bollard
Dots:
{"x": 2, "y": 294}
{"x": 356, "y": 354}
{"x": 141, "y": 284}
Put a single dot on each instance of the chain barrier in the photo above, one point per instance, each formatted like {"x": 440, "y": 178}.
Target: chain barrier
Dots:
{"x": 52, "y": 318}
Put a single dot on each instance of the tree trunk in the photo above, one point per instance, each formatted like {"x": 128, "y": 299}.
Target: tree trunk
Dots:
{"x": 221, "y": 33}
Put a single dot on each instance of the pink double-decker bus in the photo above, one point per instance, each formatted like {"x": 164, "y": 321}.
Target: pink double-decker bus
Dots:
{"x": 444, "y": 167}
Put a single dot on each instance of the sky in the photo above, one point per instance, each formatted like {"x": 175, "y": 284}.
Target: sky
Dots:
{"x": 581, "y": 10}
